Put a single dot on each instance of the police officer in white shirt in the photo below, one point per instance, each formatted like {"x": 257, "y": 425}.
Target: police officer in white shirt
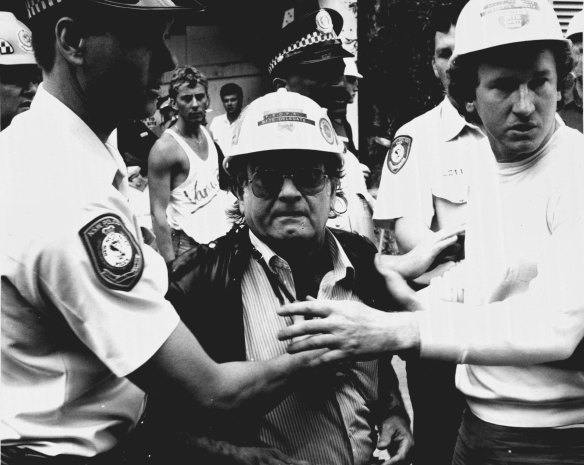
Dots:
{"x": 86, "y": 330}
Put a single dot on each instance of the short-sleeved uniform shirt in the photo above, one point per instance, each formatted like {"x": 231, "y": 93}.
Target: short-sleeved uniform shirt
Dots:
{"x": 425, "y": 172}
{"x": 82, "y": 296}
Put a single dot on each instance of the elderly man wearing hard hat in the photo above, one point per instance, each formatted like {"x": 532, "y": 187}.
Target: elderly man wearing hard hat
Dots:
{"x": 19, "y": 74}
{"x": 516, "y": 303}
{"x": 86, "y": 330}
{"x": 285, "y": 166}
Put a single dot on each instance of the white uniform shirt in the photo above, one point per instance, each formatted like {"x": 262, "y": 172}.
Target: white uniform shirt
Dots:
{"x": 82, "y": 296}
{"x": 428, "y": 180}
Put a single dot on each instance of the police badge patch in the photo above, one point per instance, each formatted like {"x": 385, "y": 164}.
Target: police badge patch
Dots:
{"x": 115, "y": 255}
{"x": 398, "y": 153}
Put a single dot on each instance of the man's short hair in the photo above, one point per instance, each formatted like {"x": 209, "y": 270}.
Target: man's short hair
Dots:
{"x": 441, "y": 19}
{"x": 91, "y": 19}
{"x": 186, "y": 75}
{"x": 231, "y": 89}
{"x": 463, "y": 70}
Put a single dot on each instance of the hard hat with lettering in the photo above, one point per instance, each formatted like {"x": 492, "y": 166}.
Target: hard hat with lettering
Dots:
{"x": 15, "y": 41}
{"x": 576, "y": 25}
{"x": 36, "y": 7}
{"x": 485, "y": 24}
{"x": 283, "y": 121}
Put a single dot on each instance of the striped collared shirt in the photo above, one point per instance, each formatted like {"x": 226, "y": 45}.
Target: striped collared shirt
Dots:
{"x": 325, "y": 421}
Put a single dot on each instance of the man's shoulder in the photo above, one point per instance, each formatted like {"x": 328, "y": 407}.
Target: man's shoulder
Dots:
{"x": 167, "y": 148}
{"x": 218, "y": 120}
{"x": 419, "y": 124}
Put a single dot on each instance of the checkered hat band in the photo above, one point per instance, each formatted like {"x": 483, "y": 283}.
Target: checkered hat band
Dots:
{"x": 34, "y": 7}
{"x": 311, "y": 39}
{"x": 5, "y": 47}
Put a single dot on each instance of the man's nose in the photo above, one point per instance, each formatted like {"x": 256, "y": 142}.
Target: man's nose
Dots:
{"x": 30, "y": 89}
{"x": 289, "y": 189}
{"x": 523, "y": 104}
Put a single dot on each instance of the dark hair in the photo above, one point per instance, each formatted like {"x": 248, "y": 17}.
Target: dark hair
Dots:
{"x": 231, "y": 89}
{"x": 90, "y": 19}
{"x": 441, "y": 19}
{"x": 238, "y": 178}
{"x": 186, "y": 75}
{"x": 463, "y": 70}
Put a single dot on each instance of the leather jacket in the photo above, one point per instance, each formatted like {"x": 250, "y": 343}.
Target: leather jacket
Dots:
{"x": 205, "y": 289}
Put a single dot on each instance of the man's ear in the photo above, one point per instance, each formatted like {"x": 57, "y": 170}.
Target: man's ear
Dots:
{"x": 279, "y": 83}
{"x": 70, "y": 43}
{"x": 434, "y": 67}
{"x": 173, "y": 104}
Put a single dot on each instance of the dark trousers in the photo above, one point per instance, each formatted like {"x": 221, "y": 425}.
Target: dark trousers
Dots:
{"x": 482, "y": 443}
{"x": 181, "y": 242}
{"x": 438, "y": 407}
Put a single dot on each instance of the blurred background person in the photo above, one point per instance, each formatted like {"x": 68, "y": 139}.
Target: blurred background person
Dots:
{"x": 19, "y": 73}
{"x": 571, "y": 103}
{"x": 222, "y": 126}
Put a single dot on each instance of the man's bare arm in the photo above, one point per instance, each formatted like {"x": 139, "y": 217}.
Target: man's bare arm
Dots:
{"x": 181, "y": 374}
{"x": 160, "y": 164}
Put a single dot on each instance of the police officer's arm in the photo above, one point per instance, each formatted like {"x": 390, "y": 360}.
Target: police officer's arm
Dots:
{"x": 409, "y": 232}
{"x": 180, "y": 373}
{"x": 161, "y": 162}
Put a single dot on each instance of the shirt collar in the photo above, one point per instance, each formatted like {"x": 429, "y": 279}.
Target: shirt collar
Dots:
{"x": 80, "y": 139}
{"x": 342, "y": 266}
{"x": 452, "y": 122}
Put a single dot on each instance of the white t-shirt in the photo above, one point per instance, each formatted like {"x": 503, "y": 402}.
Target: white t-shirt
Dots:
{"x": 519, "y": 291}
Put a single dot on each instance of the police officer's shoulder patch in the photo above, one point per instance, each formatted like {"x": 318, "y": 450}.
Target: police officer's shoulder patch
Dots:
{"x": 115, "y": 254}
{"x": 398, "y": 153}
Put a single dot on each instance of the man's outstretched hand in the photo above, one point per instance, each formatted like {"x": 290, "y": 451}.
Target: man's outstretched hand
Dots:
{"x": 352, "y": 330}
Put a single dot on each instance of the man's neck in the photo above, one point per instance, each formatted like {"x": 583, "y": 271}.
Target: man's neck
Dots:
{"x": 63, "y": 88}
{"x": 308, "y": 267}
{"x": 232, "y": 117}
{"x": 188, "y": 130}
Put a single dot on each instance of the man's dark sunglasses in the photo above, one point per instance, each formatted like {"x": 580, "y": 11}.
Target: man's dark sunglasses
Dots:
{"x": 268, "y": 182}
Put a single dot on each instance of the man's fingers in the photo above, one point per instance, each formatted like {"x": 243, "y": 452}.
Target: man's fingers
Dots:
{"x": 400, "y": 457}
{"x": 311, "y": 308}
{"x": 449, "y": 231}
{"x": 318, "y": 341}
{"x": 303, "y": 328}
{"x": 399, "y": 288}
{"x": 330, "y": 357}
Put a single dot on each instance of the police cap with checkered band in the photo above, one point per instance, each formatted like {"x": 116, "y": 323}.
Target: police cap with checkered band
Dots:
{"x": 37, "y": 7}
{"x": 309, "y": 34}
{"x": 15, "y": 41}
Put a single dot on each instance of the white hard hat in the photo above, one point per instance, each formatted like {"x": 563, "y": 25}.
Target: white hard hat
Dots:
{"x": 576, "y": 25}
{"x": 15, "y": 41}
{"x": 351, "y": 68}
{"x": 283, "y": 120}
{"x": 485, "y": 24}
